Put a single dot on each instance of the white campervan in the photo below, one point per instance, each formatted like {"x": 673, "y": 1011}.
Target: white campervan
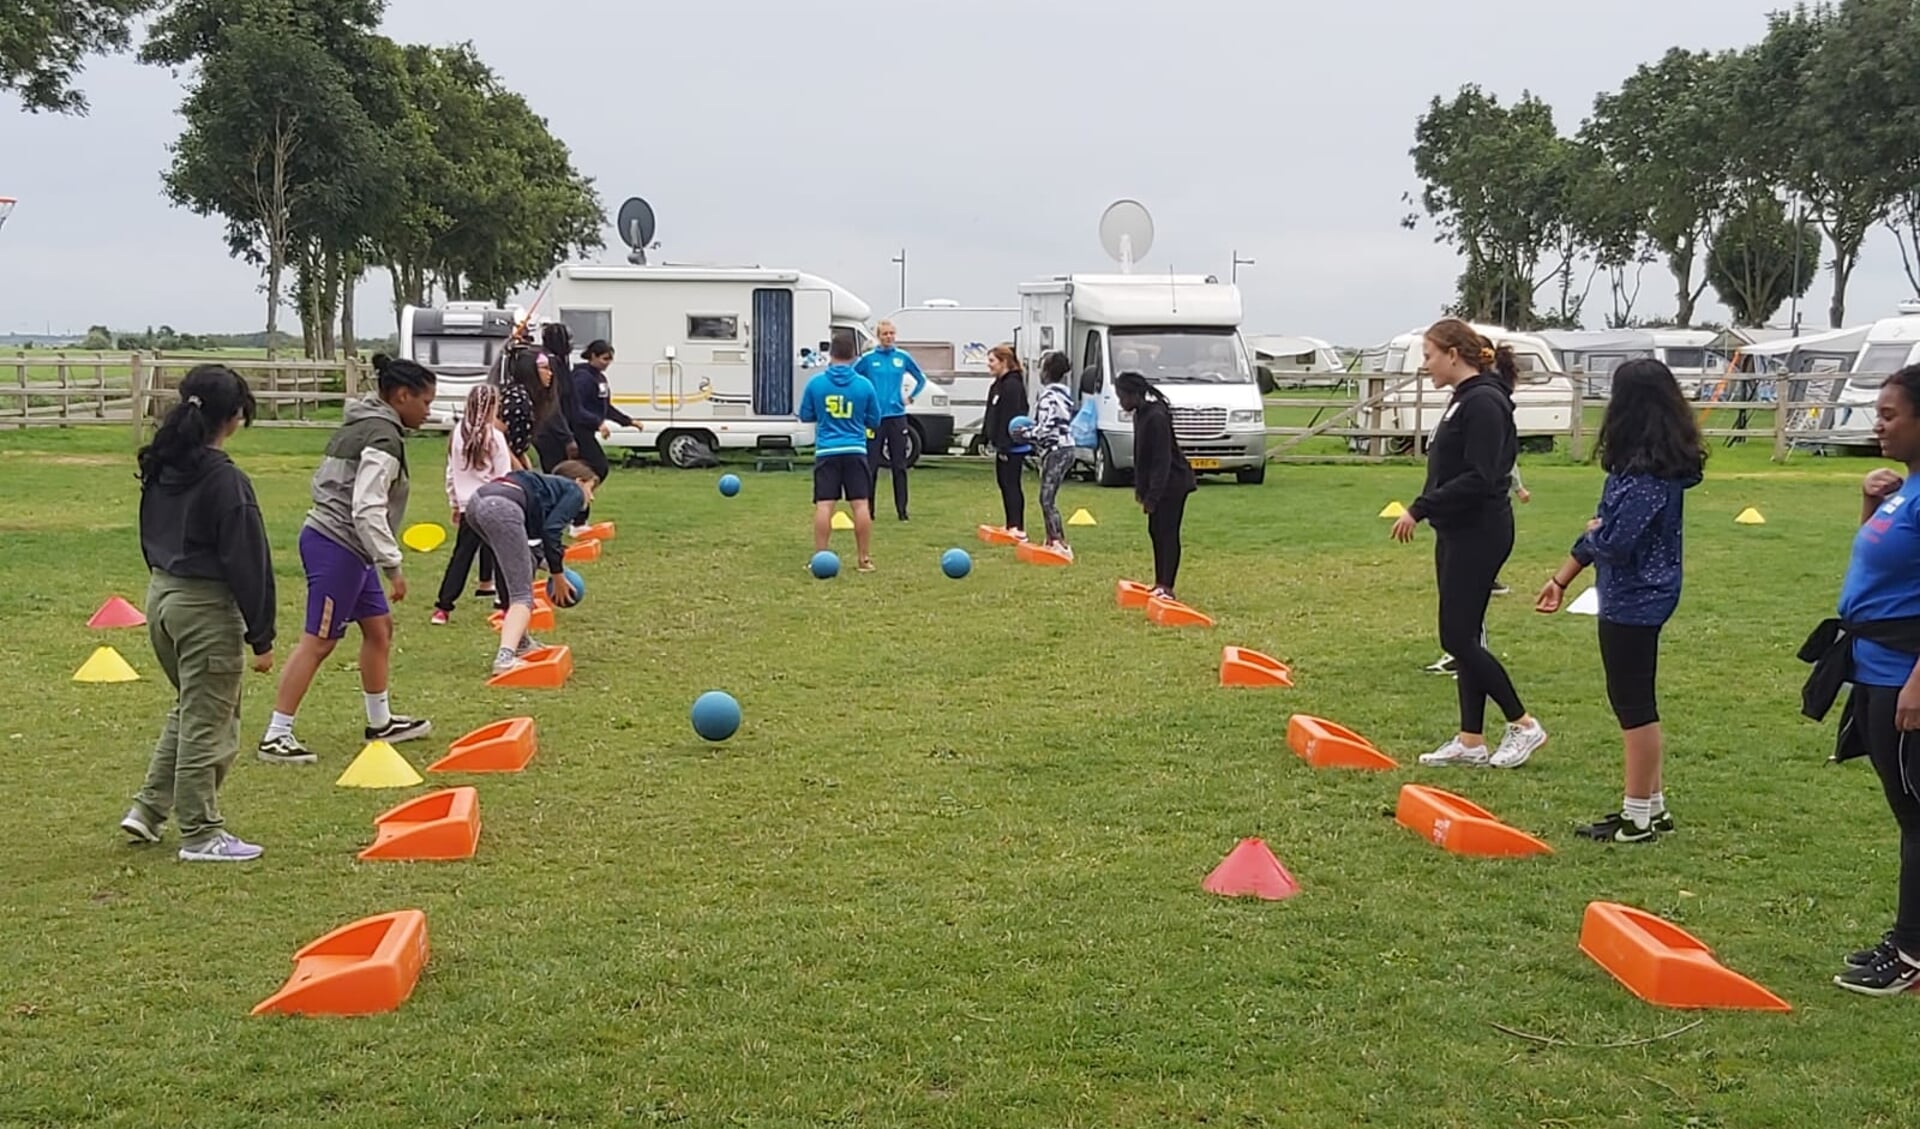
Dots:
{"x": 1542, "y": 403}
{"x": 718, "y": 356}
{"x": 460, "y": 342}
{"x": 950, "y": 342}
{"x": 1182, "y": 332}
{"x": 1891, "y": 344}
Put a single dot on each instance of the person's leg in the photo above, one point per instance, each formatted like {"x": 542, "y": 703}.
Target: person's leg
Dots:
{"x": 1013, "y": 498}
{"x": 212, "y": 657}
{"x": 486, "y": 570}
{"x": 895, "y": 430}
{"x": 595, "y": 457}
{"x": 1171, "y": 513}
{"x": 1053, "y": 472}
{"x": 1162, "y": 550}
{"x": 335, "y": 575}
{"x": 859, "y": 491}
{"x": 1464, "y": 595}
{"x": 1896, "y": 760}
{"x": 466, "y": 545}
{"x": 827, "y": 488}
{"x": 1629, "y": 655}
{"x": 156, "y": 796}
{"x": 502, "y": 525}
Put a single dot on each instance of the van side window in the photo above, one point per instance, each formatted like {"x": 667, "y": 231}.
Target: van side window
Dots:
{"x": 1093, "y": 365}
{"x": 588, "y": 326}
{"x": 713, "y": 327}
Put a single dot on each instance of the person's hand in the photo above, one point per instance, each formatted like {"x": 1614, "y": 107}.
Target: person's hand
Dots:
{"x": 1906, "y": 709}
{"x": 262, "y": 663}
{"x": 1881, "y": 483}
{"x": 1526, "y": 495}
{"x": 573, "y": 450}
{"x": 1403, "y": 529}
{"x": 397, "y": 586}
{"x": 562, "y": 589}
{"x": 1596, "y": 523}
{"x": 456, "y": 517}
{"x": 1550, "y": 597}
{"x": 606, "y": 432}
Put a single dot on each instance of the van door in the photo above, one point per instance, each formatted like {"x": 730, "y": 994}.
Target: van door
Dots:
{"x": 773, "y": 352}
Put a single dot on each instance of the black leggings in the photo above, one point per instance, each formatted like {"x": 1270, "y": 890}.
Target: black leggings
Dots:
{"x": 595, "y": 457}
{"x": 1013, "y": 496}
{"x": 1631, "y": 658}
{"x": 888, "y": 447}
{"x": 1896, "y": 757}
{"x": 1466, "y": 561}
{"x": 1163, "y": 526}
{"x": 466, "y": 545}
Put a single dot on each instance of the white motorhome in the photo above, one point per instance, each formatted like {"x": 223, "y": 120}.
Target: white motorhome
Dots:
{"x": 718, "y": 356}
{"x": 1182, "y": 332}
{"x": 1891, "y": 344}
{"x": 1542, "y": 403}
{"x": 1691, "y": 354}
{"x": 950, "y": 341}
{"x": 1294, "y": 361}
{"x": 459, "y": 341}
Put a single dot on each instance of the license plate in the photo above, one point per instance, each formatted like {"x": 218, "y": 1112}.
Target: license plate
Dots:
{"x": 1204, "y": 464}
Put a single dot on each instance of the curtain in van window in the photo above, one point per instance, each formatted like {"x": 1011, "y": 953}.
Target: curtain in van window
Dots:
{"x": 773, "y": 353}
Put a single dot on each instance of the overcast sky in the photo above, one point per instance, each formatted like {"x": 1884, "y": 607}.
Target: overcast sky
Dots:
{"x": 984, "y": 136}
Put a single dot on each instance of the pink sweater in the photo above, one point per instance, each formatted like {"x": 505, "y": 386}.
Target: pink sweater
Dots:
{"x": 462, "y": 481}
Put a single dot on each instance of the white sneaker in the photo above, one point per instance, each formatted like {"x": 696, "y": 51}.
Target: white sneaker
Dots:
{"x": 1521, "y": 742}
{"x": 1456, "y": 752}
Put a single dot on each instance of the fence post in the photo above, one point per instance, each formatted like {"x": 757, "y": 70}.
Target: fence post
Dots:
{"x": 350, "y": 380}
{"x": 138, "y": 409}
{"x": 1782, "y": 388}
{"x": 1577, "y": 418}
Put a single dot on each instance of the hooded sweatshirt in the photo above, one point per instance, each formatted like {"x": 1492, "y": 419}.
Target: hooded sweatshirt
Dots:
{"x": 360, "y": 487}
{"x": 1470, "y": 458}
{"x": 463, "y": 480}
{"x": 844, "y": 409}
{"x": 201, "y": 521}
{"x": 1636, "y": 550}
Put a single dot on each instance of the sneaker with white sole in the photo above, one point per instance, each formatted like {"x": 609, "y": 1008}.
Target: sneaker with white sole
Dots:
{"x": 1445, "y": 664}
{"x": 286, "y": 749}
{"x": 1455, "y": 752}
{"x": 141, "y": 829}
{"x": 1521, "y": 742}
{"x": 439, "y": 618}
{"x": 1890, "y": 974}
{"x": 222, "y": 847}
{"x": 399, "y": 729}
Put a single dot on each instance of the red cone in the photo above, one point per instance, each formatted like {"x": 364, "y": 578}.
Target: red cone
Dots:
{"x": 1251, "y": 871}
{"x": 116, "y": 612}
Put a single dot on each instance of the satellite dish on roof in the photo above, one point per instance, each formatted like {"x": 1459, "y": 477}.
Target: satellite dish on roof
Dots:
{"x": 637, "y": 229}
{"x": 1126, "y": 231}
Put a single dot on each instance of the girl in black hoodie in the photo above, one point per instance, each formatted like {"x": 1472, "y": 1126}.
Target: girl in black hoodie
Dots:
{"x": 1007, "y": 401}
{"x": 1162, "y": 478}
{"x": 210, "y": 602}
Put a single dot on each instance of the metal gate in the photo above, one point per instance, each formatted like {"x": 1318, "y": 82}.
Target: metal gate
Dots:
{"x": 773, "y": 352}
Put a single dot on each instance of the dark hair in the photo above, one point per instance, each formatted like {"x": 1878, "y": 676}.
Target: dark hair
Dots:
{"x": 598, "y": 349}
{"x": 209, "y": 397}
{"x": 1907, "y": 380}
{"x": 1649, "y": 426}
{"x": 574, "y": 469}
{"x": 557, "y": 341}
{"x": 1054, "y": 368}
{"x": 841, "y": 348}
{"x": 402, "y": 373}
{"x": 1456, "y": 336}
{"x": 523, "y": 368}
{"x": 1132, "y": 386}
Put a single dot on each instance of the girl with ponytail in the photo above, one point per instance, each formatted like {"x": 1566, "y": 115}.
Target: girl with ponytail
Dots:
{"x": 476, "y": 455}
{"x": 210, "y": 600}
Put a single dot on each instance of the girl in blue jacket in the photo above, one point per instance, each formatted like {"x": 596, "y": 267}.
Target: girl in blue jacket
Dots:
{"x": 1650, "y": 447}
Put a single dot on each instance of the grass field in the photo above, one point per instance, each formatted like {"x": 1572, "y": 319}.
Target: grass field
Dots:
{"x": 948, "y": 873}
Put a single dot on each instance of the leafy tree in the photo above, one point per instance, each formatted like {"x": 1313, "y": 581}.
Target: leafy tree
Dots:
{"x": 1759, "y": 259}
{"x": 99, "y": 339}
{"x": 1666, "y": 135}
{"x": 44, "y": 42}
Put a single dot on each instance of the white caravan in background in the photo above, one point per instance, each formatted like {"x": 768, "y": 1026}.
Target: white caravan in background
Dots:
{"x": 1891, "y": 344}
{"x": 1182, "y": 332}
{"x": 1542, "y": 403}
{"x": 460, "y": 342}
{"x": 949, "y": 342}
{"x": 718, "y": 356}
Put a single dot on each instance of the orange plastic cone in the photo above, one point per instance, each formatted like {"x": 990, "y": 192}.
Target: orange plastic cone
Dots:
{"x": 1251, "y": 871}
{"x": 117, "y": 612}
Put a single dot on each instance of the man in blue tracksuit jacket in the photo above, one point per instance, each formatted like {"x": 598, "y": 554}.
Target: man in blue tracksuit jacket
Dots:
{"x": 843, "y": 407}
{"x": 888, "y": 368}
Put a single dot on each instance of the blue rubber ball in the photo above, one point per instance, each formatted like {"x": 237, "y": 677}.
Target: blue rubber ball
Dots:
{"x": 716, "y": 716}
{"x": 1019, "y": 426}
{"x": 579, "y": 589}
{"x": 956, "y": 563}
{"x": 729, "y": 484}
{"x": 825, "y": 565}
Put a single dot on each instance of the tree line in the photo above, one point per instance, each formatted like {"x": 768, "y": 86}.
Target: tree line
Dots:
{"x": 1750, "y": 171}
{"x": 328, "y": 149}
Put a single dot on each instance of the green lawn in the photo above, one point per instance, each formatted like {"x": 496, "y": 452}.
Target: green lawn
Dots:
{"x": 948, "y": 874}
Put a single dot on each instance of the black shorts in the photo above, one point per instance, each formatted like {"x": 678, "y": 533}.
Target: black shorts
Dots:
{"x": 1631, "y": 657}
{"x": 841, "y": 476}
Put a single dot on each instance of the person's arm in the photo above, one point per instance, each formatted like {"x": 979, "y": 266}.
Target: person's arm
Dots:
{"x": 1878, "y": 487}
{"x": 583, "y": 405}
{"x": 1481, "y": 423}
{"x": 919, "y": 378}
{"x": 370, "y": 521}
{"x": 453, "y": 460}
{"x": 560, "y": 515}
{"x": 615, "y": 414}
{"x": 248, "y": 565}
{"x": 871, "y": 418}
{"x": 809, "y": 411}
{"x": 1625, "y": 522}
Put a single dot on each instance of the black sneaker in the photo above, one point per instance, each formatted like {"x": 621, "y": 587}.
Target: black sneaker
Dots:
{"x": 1889, "y": 975}
{"x": 1865, "y": 958}
{"x": 1615, "y": 827}
{"x": 400, "y": 729}
{"x": 1663, "y": 823}
{"x": 286, "y": 749}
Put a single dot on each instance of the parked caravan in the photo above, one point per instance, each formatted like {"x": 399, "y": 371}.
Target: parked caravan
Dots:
{"x": 1294, "y": 362}
{"x": 949, "y": 341}
{"x": 460, "y": 342}
{"x": 1401, "y": 396}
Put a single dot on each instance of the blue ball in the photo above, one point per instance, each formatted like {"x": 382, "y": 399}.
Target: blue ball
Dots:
{"x": 956, "y": 563}
{"x": 825, "y": 565}
{"x": 716, "y": 716}
{"x": 729, "y": 484}
{"x": 579, "y": 589}
{"x": 1019, "y": 426}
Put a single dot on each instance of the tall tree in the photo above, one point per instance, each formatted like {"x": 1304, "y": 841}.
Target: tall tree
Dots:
{"x": 1666, "y": 135}
{"x": 1758, "y": 259}
{"x": 44, "y": 42}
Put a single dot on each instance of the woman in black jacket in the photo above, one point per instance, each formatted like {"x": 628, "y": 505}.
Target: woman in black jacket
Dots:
{"x": 1162, "y": 477}
{"x": 1469, "y": 465}
{"x": 1007, "y": 401}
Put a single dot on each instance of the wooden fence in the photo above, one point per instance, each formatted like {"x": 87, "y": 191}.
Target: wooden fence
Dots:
{"x": 133, "y": 390}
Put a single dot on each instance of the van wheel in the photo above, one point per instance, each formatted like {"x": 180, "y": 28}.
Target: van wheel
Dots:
{"x": 916, "y": 443}
{"x": 1251, "y": 477}
{"x": 681, "y": 449}
{"x": 1104, "y": 472}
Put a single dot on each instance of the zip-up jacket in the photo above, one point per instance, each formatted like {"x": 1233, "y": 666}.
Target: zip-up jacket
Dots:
{"x": 1470, "y": 459}
{"x": 1006, "y": 399}
{"x": 888, "y": 369}
{"x": 360, "y": 488}
{"x": 201, "y": 521}
{"x": 844, "y": 409}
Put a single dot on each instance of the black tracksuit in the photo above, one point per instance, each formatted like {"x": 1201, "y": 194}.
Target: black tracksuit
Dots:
{"x": 1005, "y": 400}
{"x": 1162, "y": 479}
{"x": 1469, "y": 464}
{"x": 202, "y": 522}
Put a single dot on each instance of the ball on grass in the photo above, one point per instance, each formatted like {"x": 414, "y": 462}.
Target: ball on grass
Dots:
{"x": 579, "y": 589}
{"x": 716, "y": 716}
{"x": 956, "y": 563}
{"x": 729, "y": 485}
{"x": 825, "y": 565}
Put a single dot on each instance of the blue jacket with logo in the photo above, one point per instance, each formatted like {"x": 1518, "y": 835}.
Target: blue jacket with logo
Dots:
{"x": 843, "y": 407}
{"x": 886, "y": 368}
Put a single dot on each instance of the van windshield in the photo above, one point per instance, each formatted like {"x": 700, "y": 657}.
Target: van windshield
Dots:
{"x": 1181, "y": 356}
{"x": 463, "y": 352}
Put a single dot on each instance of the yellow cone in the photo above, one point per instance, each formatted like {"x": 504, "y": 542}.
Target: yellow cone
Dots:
{"x": 841, "y": 520}
{"x": 1394, "y": 510}
{"x": 424, "y": 537}
{"x": 1750, "y": 516}
{"x": 379, "y": 765}
{"x": 105, "y": 665}
{"x": 1081, "y": 517}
